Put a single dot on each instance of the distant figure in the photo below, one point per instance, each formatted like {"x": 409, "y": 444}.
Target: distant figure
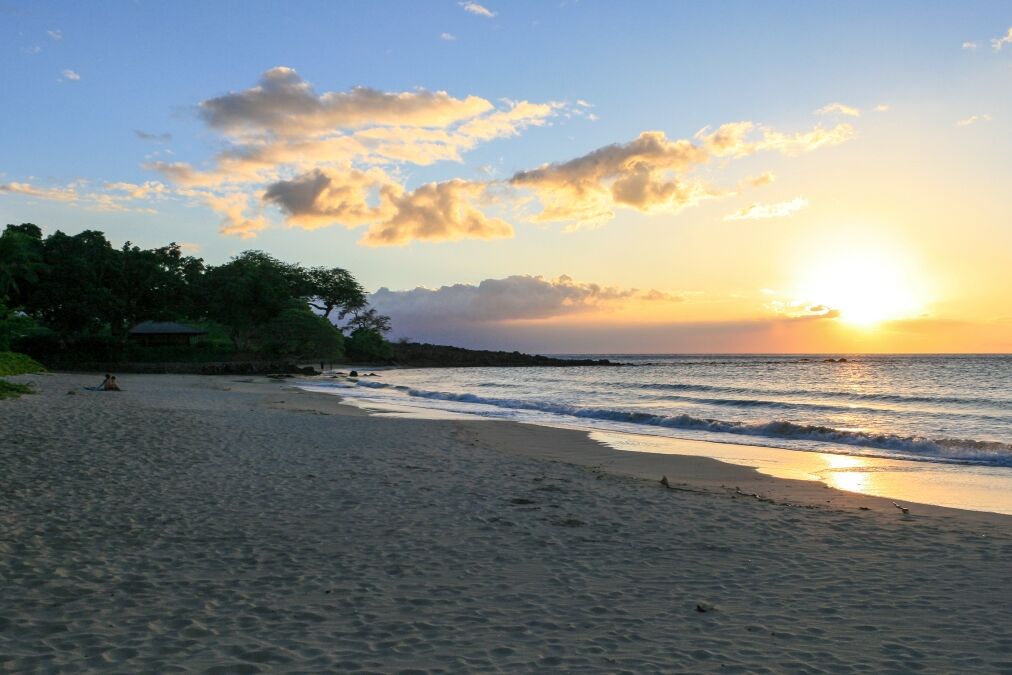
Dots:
{"x": 104, "y": 382}
{"x": 110, "y": 384}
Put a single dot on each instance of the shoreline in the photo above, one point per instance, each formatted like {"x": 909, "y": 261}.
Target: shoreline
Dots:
{"x": 923, "y": 482}
{"x": 693, "y": 467}
{"x": 240, "y": 524}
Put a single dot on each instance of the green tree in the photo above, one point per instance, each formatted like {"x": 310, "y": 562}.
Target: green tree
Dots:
{"x": 20, "y": 261}
{"x": 334, "y": 288}
{"x": 149, "y": 285}
{"x": 249, "y": 292}
{"x": 299, "y": 333}
{"x": 366, "y": 344}
{"x": 74, "y": 292}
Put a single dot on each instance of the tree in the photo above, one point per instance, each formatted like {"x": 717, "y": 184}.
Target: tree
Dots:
{"x": 368, "y": 345}
{"x": 20, "y": 261}
{"x": 334, "y": 288}
{"x": 368, "y": 318}
{"x": 299, "y": 333}
{"x": 149, "y": 284}
{"x": 73, "y": 294}
{"x": 248, "y": 292}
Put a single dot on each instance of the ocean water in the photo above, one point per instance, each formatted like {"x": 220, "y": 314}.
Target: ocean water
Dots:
{"x": 950, "y": 409}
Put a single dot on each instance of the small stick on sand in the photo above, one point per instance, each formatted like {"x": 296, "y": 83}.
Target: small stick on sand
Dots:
{"x": 904, "y": 509}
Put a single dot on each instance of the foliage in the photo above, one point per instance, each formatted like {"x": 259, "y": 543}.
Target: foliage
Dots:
{"x": 74, "y": 298}
{"x": 13, "y": 389}
{"x": 13, "y": 363}
{"x": 249, "y": 292}
{"x": 298, "y": 333}
{"x": 334, "y": 288}
{"x": 366, "y": 344}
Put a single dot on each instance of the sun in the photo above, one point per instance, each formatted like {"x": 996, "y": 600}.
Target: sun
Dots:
{"x": 865, "y": 287}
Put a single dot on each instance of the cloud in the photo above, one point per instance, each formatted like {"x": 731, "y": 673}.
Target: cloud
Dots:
{"x": 436, "y": 212}
{"x": 514, "y": 298}
{"x": 340, "y": 158}
{"x": 34, "y": 49}
{"x": 325, "y": 197}
{"x": 882, "y": 107}
{"x": 55, "y": 34}
{"x": 970, "y": 46}
{"x": 765, "y": 178}
{"x": 652, "y": 172}
{"x": 71, "y": 75}
{"x": 60, "y": 194}
{"x": 479, "y": 10}
{"x": 233, "y": 209}
{"x": 973, "y": 119}
{"x": 115, "y": 197}
{"x": 838, "y": 109}
{"x": 799, "y": 310}
{"x": 143, "y": 191}
{"x": 763, "y": 211}
{"x": 449, "y": 37}
{"x": 999, "y": 42}
{"x": 159, "y": 138}
{"x": 285, "y": 104}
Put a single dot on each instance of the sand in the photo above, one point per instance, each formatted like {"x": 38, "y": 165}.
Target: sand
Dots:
{"x": 236, "y": 525}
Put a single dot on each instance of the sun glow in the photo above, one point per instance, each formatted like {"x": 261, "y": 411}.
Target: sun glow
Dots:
{"x": 864, "y": 287}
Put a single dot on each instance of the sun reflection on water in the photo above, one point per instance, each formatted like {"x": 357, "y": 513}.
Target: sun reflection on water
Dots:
{"x": 846, "y": 472}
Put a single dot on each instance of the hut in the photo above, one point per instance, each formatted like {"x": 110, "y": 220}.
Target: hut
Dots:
{"x": 164, "y": 333}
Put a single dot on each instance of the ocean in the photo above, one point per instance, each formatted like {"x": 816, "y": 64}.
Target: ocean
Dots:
{"x": 950, "y": 409}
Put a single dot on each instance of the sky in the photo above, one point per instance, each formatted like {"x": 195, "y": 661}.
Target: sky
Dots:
{"x": 557, "y": 177}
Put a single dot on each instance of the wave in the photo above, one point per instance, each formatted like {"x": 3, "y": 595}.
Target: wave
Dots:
{"x": 959, "y": 450}
{"x": 885, "y": 398}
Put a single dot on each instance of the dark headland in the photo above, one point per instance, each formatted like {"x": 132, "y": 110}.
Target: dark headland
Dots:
{"x": 422, "y": 355}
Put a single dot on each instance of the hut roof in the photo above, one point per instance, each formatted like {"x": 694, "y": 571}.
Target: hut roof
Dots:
{"x": 165, "y": 328}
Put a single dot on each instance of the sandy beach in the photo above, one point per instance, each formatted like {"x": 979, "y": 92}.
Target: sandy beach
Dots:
{"x": 231, "y": 525}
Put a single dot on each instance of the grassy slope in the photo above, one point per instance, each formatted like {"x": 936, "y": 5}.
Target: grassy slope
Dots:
{"x": 12, "y": 363}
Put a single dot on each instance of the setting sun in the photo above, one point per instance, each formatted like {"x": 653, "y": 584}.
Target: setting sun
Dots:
{"x": 865, "y": 287}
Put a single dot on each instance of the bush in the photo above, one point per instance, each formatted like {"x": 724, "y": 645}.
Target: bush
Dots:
{"x": 12, "y": 363}
{"x": 300, "y": 334}
{"x": 13, "y": 390}
{"x": 368, "y": 345}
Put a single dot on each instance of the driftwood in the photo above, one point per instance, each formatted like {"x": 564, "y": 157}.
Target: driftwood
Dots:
{"x": 904, "y": 509}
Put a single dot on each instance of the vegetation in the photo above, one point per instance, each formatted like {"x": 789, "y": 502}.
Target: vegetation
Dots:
{"x": 12, "y": 363}
{"x": 13, "y": 389}
{"x": 439, "y": 356}
{"x": 72, "y": 299}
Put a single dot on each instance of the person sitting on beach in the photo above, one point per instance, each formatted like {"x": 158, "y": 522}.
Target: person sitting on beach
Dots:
{"x": 104, "y": 382}
{"x": 110, "y": 384}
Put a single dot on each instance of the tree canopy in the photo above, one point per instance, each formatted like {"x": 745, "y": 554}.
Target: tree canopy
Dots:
{"x": 76, "y": 289}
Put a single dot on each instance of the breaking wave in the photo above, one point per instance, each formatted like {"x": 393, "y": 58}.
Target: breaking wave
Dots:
{"x": 957, "y": 450}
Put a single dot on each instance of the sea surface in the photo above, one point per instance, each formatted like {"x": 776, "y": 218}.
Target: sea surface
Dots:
{"x": 949, "y": 409}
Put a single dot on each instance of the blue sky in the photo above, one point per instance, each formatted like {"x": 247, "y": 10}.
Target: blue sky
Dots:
{"x": 80, "y": 79}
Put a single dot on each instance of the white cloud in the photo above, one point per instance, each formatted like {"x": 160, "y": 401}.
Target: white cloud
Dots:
{"x": 449, "y": 37}
{"x": 71, "y": 75}
{"x": 55, "y": 34}
{"x": 113, "y": 197}
{"x": 479, "y": 10}
{"x": 763, "y": 211}
{"x": 998, "y": 42}
{"x": 973, "y": 119}
{"x": 883, "y": 107}
{"x": 653, "y": 173}
{"x": 970, "y": 46}
{"x": 839, "y": 109}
